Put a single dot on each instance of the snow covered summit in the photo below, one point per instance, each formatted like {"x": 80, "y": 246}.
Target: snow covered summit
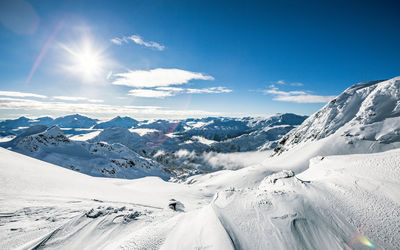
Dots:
{"x": 367, "y": 113}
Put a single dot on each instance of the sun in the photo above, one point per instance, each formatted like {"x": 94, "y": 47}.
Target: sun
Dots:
{"x": 88, "y": 62}
{"x": 85, "y": 61}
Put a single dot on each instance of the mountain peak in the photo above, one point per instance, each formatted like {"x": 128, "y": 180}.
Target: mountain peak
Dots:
{"x": 368, "y": 111}
{"x": 53, "y": 131}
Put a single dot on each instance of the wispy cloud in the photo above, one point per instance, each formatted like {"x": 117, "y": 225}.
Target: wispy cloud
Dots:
{"x": 151, "y": 93}
{"x": 76, "y": 99}
{"x": 296, "y": 96}
{"x": 296, "y": 84}
{"x": 212, "y": 90}
{"x": 97, "y": 109}
{"x": 280, "y": 82}
{"x": 159, "y": 77}
{"x": 20, "y": 94}
{"x": 283, "y": 82}
{"x": 138, "y": 40}
{"x": 162, "y": 92}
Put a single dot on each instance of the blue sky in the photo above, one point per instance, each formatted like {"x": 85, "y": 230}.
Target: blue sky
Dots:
{"x": 173, "y": 59}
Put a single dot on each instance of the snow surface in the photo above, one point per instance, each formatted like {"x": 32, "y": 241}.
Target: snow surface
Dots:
{"x": 331, "y": 205}
{"x": 44, "y": 203}
{"x": 85, "y": 137}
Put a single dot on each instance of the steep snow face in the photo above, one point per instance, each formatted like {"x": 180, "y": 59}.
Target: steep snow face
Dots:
{"x": 121, "y": 122}
{"x": 368, "y": 111}
{"x": 96, "y": 159}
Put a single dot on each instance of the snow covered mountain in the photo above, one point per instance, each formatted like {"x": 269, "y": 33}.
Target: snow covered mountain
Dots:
{"x": 183, "y": 146}
{"x": 12, "y": 127}
{"x": 117, "y": 122}
{"x": 207, "y": 134}
{"x": 16, "y": 126}
{"x": 74, "y": 121}
{"x": 179, "y": 145}
{"x": 364, "y": 118}
{"x": 96, "y": 159}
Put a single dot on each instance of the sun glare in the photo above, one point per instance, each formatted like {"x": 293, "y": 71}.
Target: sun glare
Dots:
{"x": 85, "y": 61}
{"x": 88, "y": 62}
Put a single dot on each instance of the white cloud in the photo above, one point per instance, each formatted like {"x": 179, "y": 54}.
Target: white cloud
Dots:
{"x": 280, "y": 82}
{"x": 296, "y": 96}
{"x": 161, "y": 92}
{"x": 138, "y": 40}
{"x": 305, "y": 98}
{"x": 212, "y": 90}
{"x": 150, "y": 93}
{"x": 76, "y": 98}
{"x": 159, "y": 77}
{"x": 98, "y": 110}
{"x": 297, "y": 84}
{"x": 20, "y": 94}
{"x": 117, "y": 41}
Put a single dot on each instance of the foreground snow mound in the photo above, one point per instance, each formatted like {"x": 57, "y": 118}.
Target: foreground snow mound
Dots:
{"x": 280, "y": 214}
{"x": 97, "y": 159}
{"x": 368, "y": 111}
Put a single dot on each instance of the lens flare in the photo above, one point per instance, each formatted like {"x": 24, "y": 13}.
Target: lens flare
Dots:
{"x": 44, "y": 51}
{"x": 363, "y": 240}
{"x": 358, "y": 237}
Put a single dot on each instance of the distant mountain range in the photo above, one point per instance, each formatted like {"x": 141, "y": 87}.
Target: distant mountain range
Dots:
{"x": 96, "y": 159}
{"x": 365, "y": 118}
{"x": 160, "y": 140}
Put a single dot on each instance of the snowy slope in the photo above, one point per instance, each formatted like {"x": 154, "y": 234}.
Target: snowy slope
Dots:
{"x": 97, "y": 159}
{"x": 366, "y": 113}
{"x": 52, "y": 207}
{"x": 339, "y": 202}
{"x": 365, "y": 188}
